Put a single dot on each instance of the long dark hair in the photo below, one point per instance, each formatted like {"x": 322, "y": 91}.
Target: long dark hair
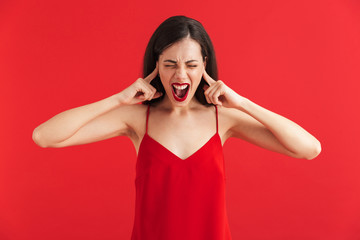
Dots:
{"x": 169, "y": 32}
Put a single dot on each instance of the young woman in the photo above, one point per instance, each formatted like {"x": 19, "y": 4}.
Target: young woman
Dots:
{"x": 178, "y": 133}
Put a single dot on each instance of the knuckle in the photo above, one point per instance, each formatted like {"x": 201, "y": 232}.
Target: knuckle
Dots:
{"x": 139, "y": 81}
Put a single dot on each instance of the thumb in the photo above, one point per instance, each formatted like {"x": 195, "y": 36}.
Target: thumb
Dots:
{"x": 205, "y": 87}
{"x": 157, "y": 95}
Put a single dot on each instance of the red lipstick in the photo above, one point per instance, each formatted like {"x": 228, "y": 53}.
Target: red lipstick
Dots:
{"x": 180, "y": 91}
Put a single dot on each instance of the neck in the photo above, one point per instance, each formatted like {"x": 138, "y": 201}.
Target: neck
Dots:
{"x": 179, "y": 109}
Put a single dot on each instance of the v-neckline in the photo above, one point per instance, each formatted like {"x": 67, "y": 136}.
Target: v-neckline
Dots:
{"x": 173, "y": 154}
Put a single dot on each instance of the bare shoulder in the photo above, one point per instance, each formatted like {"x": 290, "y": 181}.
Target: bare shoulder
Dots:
{"x": 134, "y": 116}
{"x": 233, "y": 121}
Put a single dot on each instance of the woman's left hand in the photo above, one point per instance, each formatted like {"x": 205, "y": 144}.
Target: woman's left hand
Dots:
{"x": 219, "y": 94}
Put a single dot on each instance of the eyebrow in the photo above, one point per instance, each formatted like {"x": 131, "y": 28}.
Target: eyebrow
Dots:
{"x": 172, "y": 61}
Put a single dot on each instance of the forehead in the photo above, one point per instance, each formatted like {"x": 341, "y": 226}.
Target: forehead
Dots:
{"x": 186, "y": 49}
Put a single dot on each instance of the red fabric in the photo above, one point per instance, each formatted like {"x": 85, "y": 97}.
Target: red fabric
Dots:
{"x": 180, "y": 199}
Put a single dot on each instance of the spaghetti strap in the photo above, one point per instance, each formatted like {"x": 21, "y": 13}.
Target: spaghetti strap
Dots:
{"x": 147, "y": 117}
{"x": 162, "y": 176}
{"x": 217, "y": 121}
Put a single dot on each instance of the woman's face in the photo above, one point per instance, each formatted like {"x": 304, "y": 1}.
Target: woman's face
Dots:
{"x": 180, "y": 68}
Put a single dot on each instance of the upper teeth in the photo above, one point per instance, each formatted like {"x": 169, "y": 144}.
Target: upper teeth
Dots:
{"x": 180, "y": 87}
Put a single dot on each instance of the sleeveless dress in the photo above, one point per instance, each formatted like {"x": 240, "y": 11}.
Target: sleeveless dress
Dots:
{"x": 180, "y": 199}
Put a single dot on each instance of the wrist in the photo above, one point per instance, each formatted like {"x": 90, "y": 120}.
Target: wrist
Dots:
{"x": 117, "y": 100}
{"x": 242, "y": 104}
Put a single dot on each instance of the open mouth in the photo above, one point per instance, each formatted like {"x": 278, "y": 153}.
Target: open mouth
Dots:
{"x": 180, "y": 91}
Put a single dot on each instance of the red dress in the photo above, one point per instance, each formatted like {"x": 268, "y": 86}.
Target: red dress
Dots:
{"x": 180, "y": 199}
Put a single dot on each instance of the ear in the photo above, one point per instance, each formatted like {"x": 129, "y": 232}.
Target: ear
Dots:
{"x": 205, "y": 61}
{"x": 157, "y": 64}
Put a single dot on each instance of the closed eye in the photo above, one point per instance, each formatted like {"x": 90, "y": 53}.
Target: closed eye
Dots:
{"x": 175, "y": 65}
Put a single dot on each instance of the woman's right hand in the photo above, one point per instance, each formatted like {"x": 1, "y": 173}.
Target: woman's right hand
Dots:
{"x": 141, "y": 90}
{"x": 94, "y": 121}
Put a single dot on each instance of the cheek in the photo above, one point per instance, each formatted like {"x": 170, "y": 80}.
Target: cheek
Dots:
{"x": 163, "y": 74}
{"x": 196, "y": 75}
{"x": 165, "y": 78}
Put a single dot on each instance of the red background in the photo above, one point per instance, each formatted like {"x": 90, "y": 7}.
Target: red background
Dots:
{"x": 297, "y": 58}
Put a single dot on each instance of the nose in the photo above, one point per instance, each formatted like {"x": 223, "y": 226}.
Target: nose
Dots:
{"x": 181, "y": 72}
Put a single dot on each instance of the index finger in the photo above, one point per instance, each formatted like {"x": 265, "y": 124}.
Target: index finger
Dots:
{"x": 207, "y": 78}
{"x": 152, "y": 75}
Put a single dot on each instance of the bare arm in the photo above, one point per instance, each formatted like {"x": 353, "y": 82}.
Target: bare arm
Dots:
{"x": 65, "y": 124}
{"x": 273, "y": 131}
{"x": 97, "y": 121}
{"x": 260, "y": 126}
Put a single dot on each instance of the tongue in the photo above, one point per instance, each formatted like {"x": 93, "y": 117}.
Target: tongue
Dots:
{"x": 180, "y": 93}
